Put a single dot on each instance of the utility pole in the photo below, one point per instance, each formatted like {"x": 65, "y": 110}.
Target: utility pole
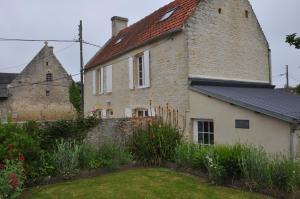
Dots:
{"x": 287, "y": 77}
{"x": 81, "y": 68}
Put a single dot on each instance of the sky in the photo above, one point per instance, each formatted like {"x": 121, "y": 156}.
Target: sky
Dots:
{"x": 59, "y": 19}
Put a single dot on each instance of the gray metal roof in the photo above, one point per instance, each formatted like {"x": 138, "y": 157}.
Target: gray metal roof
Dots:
{"x": 3, "y": 91}
{"x": 5, "y": 79}
{"x": 275, "y": 103}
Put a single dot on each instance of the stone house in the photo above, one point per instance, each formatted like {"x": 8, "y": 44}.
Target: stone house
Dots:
{"x": 180, "y": 51}
{"x": 39, "y": 92}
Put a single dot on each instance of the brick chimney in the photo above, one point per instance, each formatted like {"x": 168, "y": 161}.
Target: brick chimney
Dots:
{"x": 118, "y": 23}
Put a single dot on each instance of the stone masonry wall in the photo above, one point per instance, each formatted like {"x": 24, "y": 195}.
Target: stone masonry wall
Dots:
{"x": 109, "y": 131}
{"x": 169, "y": 82}
{"x": 28, "y": 101}
{"x": 227, "y": 45}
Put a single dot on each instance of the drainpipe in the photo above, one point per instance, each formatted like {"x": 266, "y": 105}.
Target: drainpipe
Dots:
{"x": 270, "y": 65}
{"x": 293, "y": 142}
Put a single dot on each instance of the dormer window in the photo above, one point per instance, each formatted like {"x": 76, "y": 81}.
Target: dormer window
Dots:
{"x": 168, "y": 14}
{"x": 49, "y": 77}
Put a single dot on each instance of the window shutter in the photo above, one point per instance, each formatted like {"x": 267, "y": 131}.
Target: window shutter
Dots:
{"x": 128, "y": 112}
{"x": 151, "y": 112}
{"x": 109, "y": 79}
{"x": 147, "y": 68}
{"x": 102, "y": 80}
{"x": 103, "y": 113}
{"x": 94, "y": 82}
{"x": 130, "y": 72}
{"x": 195, "y": 130}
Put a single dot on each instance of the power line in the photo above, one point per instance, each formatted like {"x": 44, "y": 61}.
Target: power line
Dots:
{"x": 91, "y": 44}
{"x": 39, "y": 60}
{"x": 37, "y": 40}
{"x": 44, "y": 82}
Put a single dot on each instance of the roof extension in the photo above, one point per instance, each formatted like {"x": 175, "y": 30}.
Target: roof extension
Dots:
{"x": 146, "y": 30}
{"x": 5, "y": 79}
{"x": 275, "y": 103}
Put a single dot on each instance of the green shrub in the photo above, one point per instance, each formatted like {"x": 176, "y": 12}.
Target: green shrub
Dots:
{"x": 21, "y": 141}
{"x": 66, "y": 158}
{"x": 113, "y": 155}
{"x": 88, "y": 157}
{"x": 255, "y": 167}
{"x": 108, "y": 156}
{"x": 66, "y": 130}
{"x": 285, "y": 173}
{"x": 155, "y": 144}
{"x": 185, "y": 155}
{"x": 12, "y": 179}
{"x": 216, "y": 171}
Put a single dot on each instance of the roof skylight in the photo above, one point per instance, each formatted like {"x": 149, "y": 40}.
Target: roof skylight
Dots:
{"x": 168, "y": 14}
{"x": 119, "y": 40}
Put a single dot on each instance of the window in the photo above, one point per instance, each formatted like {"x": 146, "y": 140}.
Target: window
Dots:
{"x": 141, "y": 71}
{"x": 246, "y": 13}
{"x": 242, "y": 124}
{"x": 168, "y": 14}
{"x": 142, "y": 113}
{"x": 47, "y": 63}
{"x": 101, "y": 81}
{"x": 204, "y": 132}
{"x": 109, "y": 113}
{"x": 220, "y": 10}
{"x": 49, "y": 77}
{"x": 119, "y": 40}
{"x": 47, "y": 93}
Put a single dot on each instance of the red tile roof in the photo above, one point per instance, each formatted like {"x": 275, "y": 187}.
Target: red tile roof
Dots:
{"x": 145, "y": 30}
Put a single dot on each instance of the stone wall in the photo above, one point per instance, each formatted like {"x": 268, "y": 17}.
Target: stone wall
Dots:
{"x": 227, "y": 45}
{"x": 27, "y": 93}
{"x": 169, "y": 82}
{"x": 109, "y": 131}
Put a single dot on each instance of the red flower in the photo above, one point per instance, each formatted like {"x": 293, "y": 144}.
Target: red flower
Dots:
{"x": 22, "y": 158}
{"x": 13, "y": 180}
{"x": 1, "y": 166}
{"x": 10, "y": 147}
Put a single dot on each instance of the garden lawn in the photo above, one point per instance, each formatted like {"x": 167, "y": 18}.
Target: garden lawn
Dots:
{"x": 138, "y": 184}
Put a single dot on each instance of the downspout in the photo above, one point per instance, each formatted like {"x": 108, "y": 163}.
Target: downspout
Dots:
{"x": 293, "y": 139}
{"x": 270, "y": 65}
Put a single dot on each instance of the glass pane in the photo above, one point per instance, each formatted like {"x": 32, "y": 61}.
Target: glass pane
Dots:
{"x": 242, "y": 124}
{"x": 212, "y": 139}
{"x": 146, "y": 113}
{"x": 206, "y": 141}
{"x": 200, "y": 126}
{"x": 200, "y": 138}
{"x": 206, "y": 127}
{"x": 211, "y": 127}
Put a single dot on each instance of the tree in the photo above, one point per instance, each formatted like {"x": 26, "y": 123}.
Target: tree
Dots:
{"x": 297, "y": 90}
{"x": 74, "y": 96}
{"x": 293, "y": 40}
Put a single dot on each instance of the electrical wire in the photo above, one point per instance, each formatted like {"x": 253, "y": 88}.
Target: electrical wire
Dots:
{"x": 39, "y": 60}
{"x": 45, "y": 82}
{"x": 37, "y": 40}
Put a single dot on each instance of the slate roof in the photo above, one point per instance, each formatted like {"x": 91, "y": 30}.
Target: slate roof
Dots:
{"x": 5, "y": 79}
{"x": 146, "y": 30}
{"x": 275, "y": 103}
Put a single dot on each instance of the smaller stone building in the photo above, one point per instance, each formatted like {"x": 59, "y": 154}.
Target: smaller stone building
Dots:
{"x": 39, "y": 92}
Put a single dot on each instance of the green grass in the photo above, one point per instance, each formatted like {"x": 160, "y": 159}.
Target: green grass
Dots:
{"x": 138, "y": 184}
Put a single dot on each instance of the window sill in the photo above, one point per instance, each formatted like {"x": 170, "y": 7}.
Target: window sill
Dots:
{"x": 143, "y": 87}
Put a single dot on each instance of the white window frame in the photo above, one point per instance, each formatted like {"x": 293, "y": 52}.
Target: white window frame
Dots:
{"x": 109, "y": 79}
{"x": 144, "y": 111}
{"x": 209, "y": 132}
{"x": 143, "y": 71}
